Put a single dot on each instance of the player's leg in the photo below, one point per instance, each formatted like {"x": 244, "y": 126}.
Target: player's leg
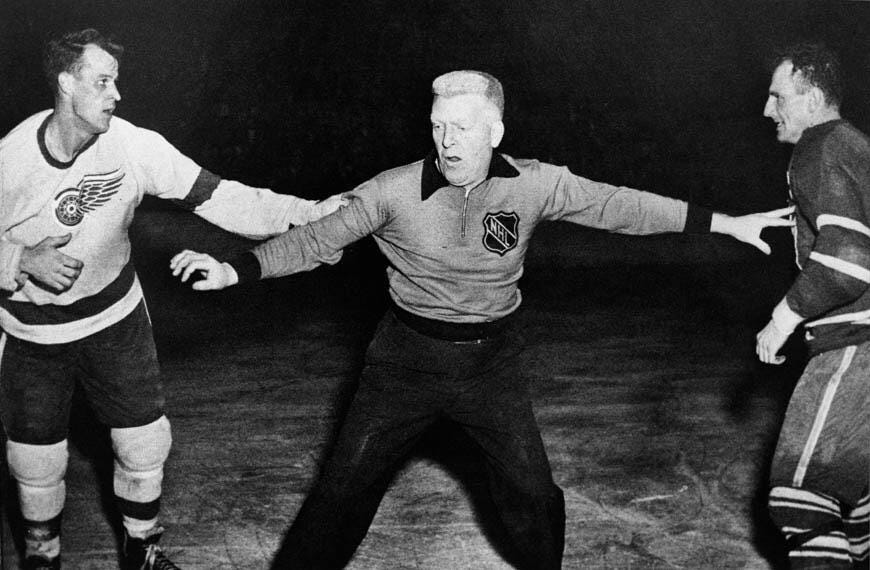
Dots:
{"x": 497, "y": 414}
{"x": 820, "y": 466}
{"x": 39, "y": 472}
{"x": 123, "y": 386}
{"x": 140, "y": 453}
{"x": 388, "y": 415}
{"x": 35, "y": 397}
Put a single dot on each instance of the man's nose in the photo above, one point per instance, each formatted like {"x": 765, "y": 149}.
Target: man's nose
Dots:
{"x": 769, "y": 107}
{"x": 449, "y": 137}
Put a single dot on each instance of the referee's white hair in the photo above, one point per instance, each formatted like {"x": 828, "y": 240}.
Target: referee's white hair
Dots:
{"x": 470, "y": 82}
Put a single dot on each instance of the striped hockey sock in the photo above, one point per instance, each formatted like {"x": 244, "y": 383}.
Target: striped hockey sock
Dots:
{"x": 813, "y": 527}
{"x": 857, "y": 525}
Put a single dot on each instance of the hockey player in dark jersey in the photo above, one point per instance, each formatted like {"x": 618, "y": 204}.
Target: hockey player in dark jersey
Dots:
{"x": 455, "y": 228}
{"x": 821, "y": 467}
{"x": 70, "y": 180}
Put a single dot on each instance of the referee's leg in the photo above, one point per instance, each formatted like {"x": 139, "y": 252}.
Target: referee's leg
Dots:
{"x": 529, "y": 502}
{"x": 390, "y": 411}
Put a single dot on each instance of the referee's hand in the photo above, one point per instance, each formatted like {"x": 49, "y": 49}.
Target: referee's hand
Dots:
{"x": 206, "y": 273}
{"x": 748, "y": 228}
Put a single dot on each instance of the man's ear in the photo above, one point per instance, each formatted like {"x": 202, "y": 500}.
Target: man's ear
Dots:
{"x": 64, "y": 81}
{"x": 816, "y": 99}
{"x": 496, "y": 133}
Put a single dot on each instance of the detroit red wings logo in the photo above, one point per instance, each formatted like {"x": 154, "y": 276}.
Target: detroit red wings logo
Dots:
{"x": 500, "y": 233}
{"x": 92, "y": 191}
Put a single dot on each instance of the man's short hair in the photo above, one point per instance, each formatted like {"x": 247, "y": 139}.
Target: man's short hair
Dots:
{"x": 64, "y": 53}
{"x": 469, "y": 82}
{"x": 814, "y": 65}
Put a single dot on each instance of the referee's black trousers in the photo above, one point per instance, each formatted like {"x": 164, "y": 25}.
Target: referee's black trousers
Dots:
{"x": 411, "y": 380}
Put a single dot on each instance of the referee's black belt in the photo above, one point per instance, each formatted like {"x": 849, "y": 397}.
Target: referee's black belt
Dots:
{"x": 455, "y": 332}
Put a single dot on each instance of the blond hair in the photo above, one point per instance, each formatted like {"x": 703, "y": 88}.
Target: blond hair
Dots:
{"x": 470, "y": 82}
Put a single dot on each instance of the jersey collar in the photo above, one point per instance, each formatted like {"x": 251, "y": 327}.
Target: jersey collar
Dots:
{"x": 40, "y": 139}
{"x": 432, "y": 180}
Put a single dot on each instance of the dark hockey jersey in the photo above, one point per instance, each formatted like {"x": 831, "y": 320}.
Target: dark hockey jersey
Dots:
{"x": 829, "y": 180}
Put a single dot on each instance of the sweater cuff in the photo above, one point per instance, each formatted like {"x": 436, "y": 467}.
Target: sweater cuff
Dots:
{"x": 247, "y": 267}
{"x": 698, "y": 220}
{"x": 784, "y": 318}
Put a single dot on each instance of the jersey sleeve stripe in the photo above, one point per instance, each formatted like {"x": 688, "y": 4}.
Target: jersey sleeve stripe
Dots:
{"x": 832, "y": 220}
{"x": 202, "y": 189}
{"x": 841, "y": 266}
{"x": 857, "y": 318}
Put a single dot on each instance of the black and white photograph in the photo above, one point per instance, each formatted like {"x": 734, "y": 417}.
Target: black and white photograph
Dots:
{"x": 434, "y": 285}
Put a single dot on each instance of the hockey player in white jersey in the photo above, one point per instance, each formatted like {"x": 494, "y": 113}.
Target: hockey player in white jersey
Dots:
{"x": 70, "y": 180}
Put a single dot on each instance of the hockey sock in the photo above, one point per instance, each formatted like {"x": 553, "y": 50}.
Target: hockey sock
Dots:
{"x": 813, "y": 527}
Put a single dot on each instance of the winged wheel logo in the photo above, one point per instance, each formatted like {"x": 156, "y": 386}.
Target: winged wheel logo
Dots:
{"x": 92, "y": 191}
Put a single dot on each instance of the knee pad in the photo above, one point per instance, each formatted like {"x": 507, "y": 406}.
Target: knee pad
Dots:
{"x": 140, "y": 453}
{"x": 39, "y": 471}
{"x": 143, "y": 448}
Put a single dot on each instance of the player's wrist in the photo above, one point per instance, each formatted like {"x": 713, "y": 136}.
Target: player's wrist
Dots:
{"x": 230, "y": 276}
{"x": 784, "y": 319}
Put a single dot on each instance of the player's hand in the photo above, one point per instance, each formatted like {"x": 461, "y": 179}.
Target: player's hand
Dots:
{"x": 748, "y": 228}
{"x": 212, "y": 274}
{"x": 44, "y": 263}
{"x": 327, "y": 206}
{"x": 768, "y": 342}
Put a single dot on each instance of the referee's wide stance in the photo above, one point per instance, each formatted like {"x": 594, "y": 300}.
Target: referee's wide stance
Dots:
{"x": 454, "y": 227}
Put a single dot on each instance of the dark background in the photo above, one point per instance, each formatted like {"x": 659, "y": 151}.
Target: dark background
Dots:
{"x": 312, "y": 97}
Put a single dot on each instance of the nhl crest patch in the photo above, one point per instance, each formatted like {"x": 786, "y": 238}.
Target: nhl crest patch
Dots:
{"x": 500, "y": 233}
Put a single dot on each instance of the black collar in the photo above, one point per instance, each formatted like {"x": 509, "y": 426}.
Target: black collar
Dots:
{"x": 40, "y": 139}
{"x": 432, "y": 180}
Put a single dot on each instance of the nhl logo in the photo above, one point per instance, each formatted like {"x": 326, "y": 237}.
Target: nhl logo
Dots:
{"x": 500, "y": 232}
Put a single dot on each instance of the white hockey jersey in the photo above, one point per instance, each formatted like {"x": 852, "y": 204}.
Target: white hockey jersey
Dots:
{"x": 94, "y": 197}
